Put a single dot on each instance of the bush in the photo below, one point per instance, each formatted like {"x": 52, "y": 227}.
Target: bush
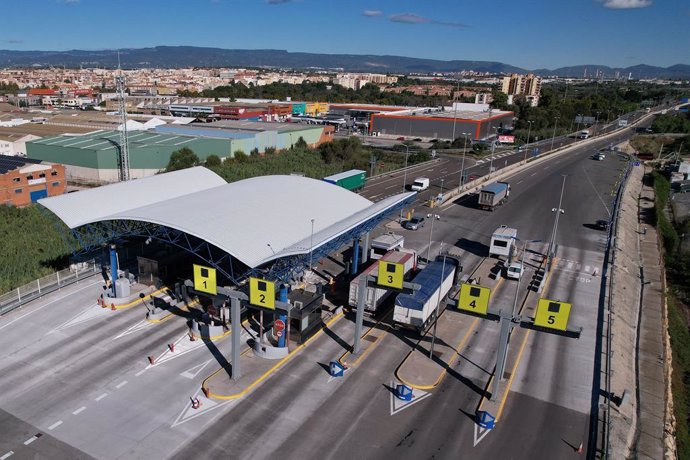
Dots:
{"x": 182, "y": 159}
{"x": 213, "y": 160}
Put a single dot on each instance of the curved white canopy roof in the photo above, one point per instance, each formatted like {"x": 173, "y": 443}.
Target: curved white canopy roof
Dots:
{"x": 255, "y": 220}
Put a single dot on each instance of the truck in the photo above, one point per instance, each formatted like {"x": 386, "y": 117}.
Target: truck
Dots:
{"x": 622, "y": 123}
{"x": 386, "y": 243}
{"x": 375, "y": 295}
{"x": 352, "y": 180}
{"x": 416, "y": 310}
{"x": 494, "y": 195}
{"x": 584, "y": 134}
{"x": 502, "y": 241}
{"x": 419, "y": 184}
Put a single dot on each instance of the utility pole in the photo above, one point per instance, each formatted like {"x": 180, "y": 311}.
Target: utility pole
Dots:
{"x": 553, "y": 138}
{"x": 558, "y": 212}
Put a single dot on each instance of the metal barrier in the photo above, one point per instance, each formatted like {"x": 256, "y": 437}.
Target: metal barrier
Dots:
{"x": 42, "y": 286}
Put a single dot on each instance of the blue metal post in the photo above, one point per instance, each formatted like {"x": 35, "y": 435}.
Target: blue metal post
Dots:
{"x": 355, "y": 256}
{"x": 113, "y": 267}
{"x": 283, "y": 297}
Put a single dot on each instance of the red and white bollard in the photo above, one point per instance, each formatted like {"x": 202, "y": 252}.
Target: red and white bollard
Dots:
{"x": 171, "y": 346}
{"x": 195, "y": 402}
{"x": 152, "y": 359}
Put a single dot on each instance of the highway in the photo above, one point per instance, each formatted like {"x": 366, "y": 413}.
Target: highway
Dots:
{"x": 76, "y": 377}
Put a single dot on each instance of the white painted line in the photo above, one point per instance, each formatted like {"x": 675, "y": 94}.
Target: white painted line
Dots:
{"x": 49, "y": 303}
{"x": 55, "y": 425}
{"x": 140, "y": 372}
{"x": 30, "y": 440}
{"x": 7, "y": 455}
{"x": 121, "y": 384}
{"x": 101, "y": 396}
{"x": 533, "y": 174}
{"x": 80, "y": 410}
{"x": 519, "y": 183}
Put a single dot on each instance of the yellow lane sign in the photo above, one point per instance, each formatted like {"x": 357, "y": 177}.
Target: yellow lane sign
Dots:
{"x": 552, "y": 314}
{"x": 262, "y": 293}
{"x": 474, "y": 298}
{"x": 391, "y": 274}
{"x": 205, "y": 279}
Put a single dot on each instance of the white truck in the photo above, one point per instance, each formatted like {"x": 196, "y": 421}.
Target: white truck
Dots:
{"x": 502, "y": 241}
{"x": 420, "y": 183}
{"x": 493, "y": 195}
{"x": 417, "y": 309}
{"x": 386, "y": 243}
{"x": 375, "y": 296}
{"x": 584, "y": 134}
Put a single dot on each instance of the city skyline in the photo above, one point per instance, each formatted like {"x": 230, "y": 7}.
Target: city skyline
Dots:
{"x": 614, "y": 33}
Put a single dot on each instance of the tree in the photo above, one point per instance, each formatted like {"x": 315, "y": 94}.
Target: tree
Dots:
{"x": 301, "y": 143}
{"x": 212, "y": 161}
{"x": 182, "y": 159}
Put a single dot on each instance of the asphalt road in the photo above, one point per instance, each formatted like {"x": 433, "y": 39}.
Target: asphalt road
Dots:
{"x": 76, "y": 378}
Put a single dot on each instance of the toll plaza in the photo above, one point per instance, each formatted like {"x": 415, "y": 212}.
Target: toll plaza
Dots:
{"x": 247, "y": 246}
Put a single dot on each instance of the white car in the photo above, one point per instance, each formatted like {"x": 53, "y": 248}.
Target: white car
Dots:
{"x": 514, "y": 270}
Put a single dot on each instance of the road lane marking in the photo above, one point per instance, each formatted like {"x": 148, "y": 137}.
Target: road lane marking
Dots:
{"x": 30, "y": 440}
{"x": 519, "y": 182}
{"x": 479, "y": 433}
{"x": 121, "y": 384}
{"x": 140, "y": 372}
{"x": 7, "y": 455}
{"x": 49, "y": 303}
{"x": 55, "y": 425}
{"x": 79, "y": 411}
{"x": 533, "y": 174}
{"x": 101, "y": 396}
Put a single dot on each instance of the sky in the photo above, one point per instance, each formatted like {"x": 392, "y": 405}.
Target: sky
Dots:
{"x": 530, "y": 34}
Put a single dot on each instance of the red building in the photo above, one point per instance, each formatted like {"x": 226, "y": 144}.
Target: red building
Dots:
{"x": 24, "y": 181}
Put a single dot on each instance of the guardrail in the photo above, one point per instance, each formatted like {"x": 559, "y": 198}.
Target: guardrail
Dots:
{"x": 42, "y": 286}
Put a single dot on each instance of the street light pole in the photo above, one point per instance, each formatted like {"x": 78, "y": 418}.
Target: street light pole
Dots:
{"x": 311, "y": 243}
{"x": 558, "y": 212}
{"x": 428, "y": 251}
{"x": 438, "y": 303}
{"x": 455, "y": 111}
{"x": 553, "y": 138}
{"x": 407, "y": 153}
{"x": 462, "y": 167}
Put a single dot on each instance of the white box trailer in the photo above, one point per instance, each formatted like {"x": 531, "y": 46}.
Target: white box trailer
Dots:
{"x": 375, "y": 296}
{"x": 417, "y": 309}
{"x": 502, "y": 241}
{"x": 385, "y": 243}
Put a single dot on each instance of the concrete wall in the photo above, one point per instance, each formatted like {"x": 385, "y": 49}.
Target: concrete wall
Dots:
{"x": 422, "y": 127}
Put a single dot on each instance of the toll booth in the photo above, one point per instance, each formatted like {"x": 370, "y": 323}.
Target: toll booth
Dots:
{"x": 305, "y": 315}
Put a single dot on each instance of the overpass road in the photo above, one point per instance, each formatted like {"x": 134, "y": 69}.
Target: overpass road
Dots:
{"x": 75, "y": 377}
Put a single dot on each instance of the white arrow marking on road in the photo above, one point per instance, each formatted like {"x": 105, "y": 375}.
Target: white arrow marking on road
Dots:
{"x": 194, "y": 371}
{"x": 93, "y": 312}
{"x": 141, "y": 325}
{"x": 479, "y": 433}
{"x": 398, "y": 404}
{"x": 331, "y": 378}
{"x": 207, "y": 405}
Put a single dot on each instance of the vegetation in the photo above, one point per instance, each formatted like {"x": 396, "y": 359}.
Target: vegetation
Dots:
{"x": 677, "y": 267}
{"x": 329, "y": 158}
{"x": 182, "y": 159}
{"x": 31, "y": 247}
{"x": 8, "y": 88}
{"x": 675, "y": 122}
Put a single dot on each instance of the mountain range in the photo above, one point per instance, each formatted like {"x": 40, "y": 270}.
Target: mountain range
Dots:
{"x": 191, "y": 56}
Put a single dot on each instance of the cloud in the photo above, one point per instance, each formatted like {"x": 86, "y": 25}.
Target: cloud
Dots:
{"x": 411, "y": 18}
{"x": 13, "y": 41}
{"x": 626, "y": 4}
{"x": 371, "y": 13}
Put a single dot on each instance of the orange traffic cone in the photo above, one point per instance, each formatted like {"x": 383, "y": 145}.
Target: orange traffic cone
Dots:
{"x": 151, "y": 359}
{"x": 112, "y": 307}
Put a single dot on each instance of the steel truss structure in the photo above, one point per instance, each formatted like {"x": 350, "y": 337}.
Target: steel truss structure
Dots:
{"x": 97, "y": 234}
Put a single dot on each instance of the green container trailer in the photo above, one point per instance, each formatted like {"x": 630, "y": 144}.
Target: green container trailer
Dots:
{"x": 352, "y": 180}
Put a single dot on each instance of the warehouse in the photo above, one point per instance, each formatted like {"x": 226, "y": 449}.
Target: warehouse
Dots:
{"x": 94, "y": 157}
{"x": 441, "y": 124}
{"x": 24, "y": 181}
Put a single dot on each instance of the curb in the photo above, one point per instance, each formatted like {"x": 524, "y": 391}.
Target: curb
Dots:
{"x": 210, "y": 394}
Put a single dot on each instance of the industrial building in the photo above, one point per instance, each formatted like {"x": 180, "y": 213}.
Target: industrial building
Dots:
{"x": 94, "y": 157}
{"x": 24, "y": 181}
{"x": 441, "y": 124}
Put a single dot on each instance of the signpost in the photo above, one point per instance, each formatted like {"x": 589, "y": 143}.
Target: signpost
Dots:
{"x": 474, "y": 298}
{"x": 552, "y": 314}
{"x": 205, "y": 279}
{"x": 262, "y": 293}
{"x": 391, "y": 274}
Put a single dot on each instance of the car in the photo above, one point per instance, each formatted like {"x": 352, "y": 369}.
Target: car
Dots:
{"x": 401, "y": 138}
{"x": 417, "y": 139}
{"x": 514, "y": 270}
{"x": 599, "y": 156}
{"x": 601, "y": 224}
{"x": 472, "y": 177}
{"x": 415, "y": 223}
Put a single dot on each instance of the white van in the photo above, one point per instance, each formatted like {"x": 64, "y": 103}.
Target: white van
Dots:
{"x": 502, "y": 241}
{"x": 420, "y": 183}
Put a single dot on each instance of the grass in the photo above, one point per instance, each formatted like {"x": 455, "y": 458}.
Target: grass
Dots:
{"x": 680, "y": 383}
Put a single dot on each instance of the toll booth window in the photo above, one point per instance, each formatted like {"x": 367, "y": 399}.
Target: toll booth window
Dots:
{"x": 475, "y": 292}
{"x": 261, "y": 285}
{"x": 500, "y": 243}
{"x": 554, "y": 307}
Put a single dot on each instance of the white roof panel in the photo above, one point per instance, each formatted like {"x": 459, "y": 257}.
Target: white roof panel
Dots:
{"x": 255, "y": 220}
